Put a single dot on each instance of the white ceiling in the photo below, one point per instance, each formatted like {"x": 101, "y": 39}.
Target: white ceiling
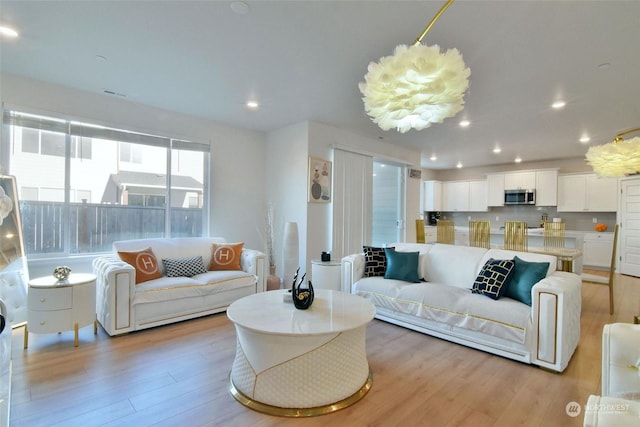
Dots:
{"x": 303, "y": 60}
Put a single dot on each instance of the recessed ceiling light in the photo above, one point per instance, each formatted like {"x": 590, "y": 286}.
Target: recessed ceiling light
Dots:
{"x": 239, "y": 7}
{"x": 433, "y": 158}
{"x": 9, "y": 32}
{"x": 464, "y": 123}
{"x": 497, "y": 149}
{"x": 558, "y": 105}
{"x": 518, "y": 159}
{"x": 459, "y": 165}
{"x": 252, "y": 105}
{"x": 584, "y": 139}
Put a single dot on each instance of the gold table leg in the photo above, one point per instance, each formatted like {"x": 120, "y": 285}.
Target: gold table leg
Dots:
{"x": 26, "y": 337}
{"x": 75, "y": 330}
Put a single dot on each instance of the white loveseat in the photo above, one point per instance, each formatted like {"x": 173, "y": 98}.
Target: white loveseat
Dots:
{"x": 442, "y": 304}
{"x": 123, "y": 306}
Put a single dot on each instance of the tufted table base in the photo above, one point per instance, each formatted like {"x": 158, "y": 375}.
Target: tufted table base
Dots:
{"x": 302, "y": 373}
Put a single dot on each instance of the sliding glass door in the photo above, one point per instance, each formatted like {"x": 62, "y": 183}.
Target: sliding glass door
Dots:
{"x": 388, "y": 203}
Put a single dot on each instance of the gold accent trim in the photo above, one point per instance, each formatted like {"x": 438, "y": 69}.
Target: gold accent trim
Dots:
{"x": 433, "y": 21}
{"x": 555, "y": 335}
{"x": 300, "y": 412}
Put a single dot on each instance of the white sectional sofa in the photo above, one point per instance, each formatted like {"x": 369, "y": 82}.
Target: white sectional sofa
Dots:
{"x": 442, "y": 304}
{"x": 123, "y": 306}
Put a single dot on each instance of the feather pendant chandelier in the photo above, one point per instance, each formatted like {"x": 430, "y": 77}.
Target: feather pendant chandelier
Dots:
{"x": 618, "y": 158}
{"x": 416, "y": 86}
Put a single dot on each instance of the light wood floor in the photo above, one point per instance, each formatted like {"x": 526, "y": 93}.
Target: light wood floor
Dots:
{"x": 177, "y": 375}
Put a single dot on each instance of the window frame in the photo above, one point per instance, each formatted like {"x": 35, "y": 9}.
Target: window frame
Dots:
{"x": 74, "y": 132}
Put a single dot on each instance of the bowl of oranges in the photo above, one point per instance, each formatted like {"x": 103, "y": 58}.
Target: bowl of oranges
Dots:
{"x": 600, "y": 227}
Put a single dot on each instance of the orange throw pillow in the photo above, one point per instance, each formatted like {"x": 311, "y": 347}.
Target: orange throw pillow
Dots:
{"x": 225, "y": 256}
{"x": 144, "y": 262}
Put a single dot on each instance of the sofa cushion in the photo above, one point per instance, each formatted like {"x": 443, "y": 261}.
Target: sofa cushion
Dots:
{"x": 145, "y": 263}
{"x": 454, "y": 265}
{"x": 450, "y": 306}
{"x": 375, "y": 261}
{"x": 174, "y": 288}
{"x": 493, "y": 279}
{"x": 183, "y": 267}
{"x": 226, "y": 256}
{"x": 525, "y": 275}
{"x": 422, "y": 249}
{"x": 401, "y": 265}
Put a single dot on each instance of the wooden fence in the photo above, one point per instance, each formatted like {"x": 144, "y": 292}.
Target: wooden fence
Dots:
{"x": 94, "y": 227}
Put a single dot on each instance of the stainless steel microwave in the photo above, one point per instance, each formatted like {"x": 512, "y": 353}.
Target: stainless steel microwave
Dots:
{"x": 519, "y": 197}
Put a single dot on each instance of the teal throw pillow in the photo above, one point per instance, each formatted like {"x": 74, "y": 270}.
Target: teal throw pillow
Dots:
{"x": 494, "y": 278}
{"x": 525, "y": 275}
{"x": 402, "y": 265}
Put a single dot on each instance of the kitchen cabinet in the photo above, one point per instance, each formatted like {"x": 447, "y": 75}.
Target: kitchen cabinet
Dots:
{"x": 596, "y": 251}
{"x": 455, "y": 196}
{"x": 478, "y": 196}
{"x": 432, "y": 196}
{"x": 587, "y": 193}
{"x": 430, "y": 234}
{"x": 520, "y": 180}
{"x": 546, "y": 188}
{"x": 495, "y": 189}
{"x": 464, "y": 196}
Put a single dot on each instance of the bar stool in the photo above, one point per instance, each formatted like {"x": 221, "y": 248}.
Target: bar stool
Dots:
{"x": 479, "y": 233}
{"x": 515, "y": 236}
{"x": 446, "y": 232}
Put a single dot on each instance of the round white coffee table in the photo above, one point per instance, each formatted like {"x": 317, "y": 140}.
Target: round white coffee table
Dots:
{"x": 299, "y": 363}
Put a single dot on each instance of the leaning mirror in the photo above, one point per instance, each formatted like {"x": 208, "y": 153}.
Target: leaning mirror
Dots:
{"x": 13, "y": 265}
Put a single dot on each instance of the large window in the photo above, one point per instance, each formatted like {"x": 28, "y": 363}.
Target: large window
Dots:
{"x": 82, "y": 187}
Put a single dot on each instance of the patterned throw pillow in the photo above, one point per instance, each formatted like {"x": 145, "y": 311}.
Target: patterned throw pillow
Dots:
{"x": 144, "y": 262}
{"x": 226, "y": 256}
{"x": 184, "y": 267}
{"x": 375, "y": 261}
{"x": 493, "y": 279}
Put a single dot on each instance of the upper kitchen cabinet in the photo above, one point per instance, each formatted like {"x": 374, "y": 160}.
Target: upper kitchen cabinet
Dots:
{"x": 464, "y": 196}
{"x": 587, "y": 193}
{"x": 545, "y": 182}
{"x": 478, "y": 196}
{"x": 520, "y": 180}
{"x": 495, "y": 184}
{"x": 432, "y": 196}
{"x": 455, "y": 196}
{"x": 546, "y": 187}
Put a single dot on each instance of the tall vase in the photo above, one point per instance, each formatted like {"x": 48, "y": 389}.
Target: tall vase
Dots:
{"x": 290, "y": 253}
{"x": 273, "y": 281}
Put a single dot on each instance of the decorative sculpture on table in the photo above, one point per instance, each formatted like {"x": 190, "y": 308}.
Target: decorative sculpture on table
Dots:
{"x": 62, "y": 272}
{"x": 302, "y": 297}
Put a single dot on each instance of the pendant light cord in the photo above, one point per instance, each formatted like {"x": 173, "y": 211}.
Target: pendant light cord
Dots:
{"x": 433, "y": 21}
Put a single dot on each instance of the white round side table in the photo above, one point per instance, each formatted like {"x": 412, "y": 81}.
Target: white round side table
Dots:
{"x": 61, "y": 305}
{"x": 326, "y": 274}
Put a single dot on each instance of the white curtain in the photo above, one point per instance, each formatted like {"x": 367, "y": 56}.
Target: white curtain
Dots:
{"x": 352, "y": 207}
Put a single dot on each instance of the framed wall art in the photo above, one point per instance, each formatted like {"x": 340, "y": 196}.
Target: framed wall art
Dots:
{"x": 319, "y": 181}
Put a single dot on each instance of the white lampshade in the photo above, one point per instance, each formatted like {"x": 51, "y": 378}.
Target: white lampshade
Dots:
{"x": 615, "y": 159}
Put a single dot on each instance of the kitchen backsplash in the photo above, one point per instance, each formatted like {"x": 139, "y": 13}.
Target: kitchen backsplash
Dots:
{"x": 578, "y": 221}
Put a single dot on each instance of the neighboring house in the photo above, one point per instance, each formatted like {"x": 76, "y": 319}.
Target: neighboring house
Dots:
{"x": 149, "y": 189}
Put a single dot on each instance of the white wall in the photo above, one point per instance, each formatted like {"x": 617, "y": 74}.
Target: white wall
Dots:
{"x": 249, "y": 169}
{"x": 237, "y": 165}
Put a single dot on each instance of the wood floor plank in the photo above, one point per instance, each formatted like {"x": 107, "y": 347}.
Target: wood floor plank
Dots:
{"x": 177, "y": 375}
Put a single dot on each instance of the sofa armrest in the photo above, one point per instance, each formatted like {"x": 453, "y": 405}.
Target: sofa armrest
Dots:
{"x": 115, "y": 289}
{"x": 620, "y": 359}
{"x": 351, "y": 270}
{"x": 255, "y": 262}
{"x": 557, "y": 304}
